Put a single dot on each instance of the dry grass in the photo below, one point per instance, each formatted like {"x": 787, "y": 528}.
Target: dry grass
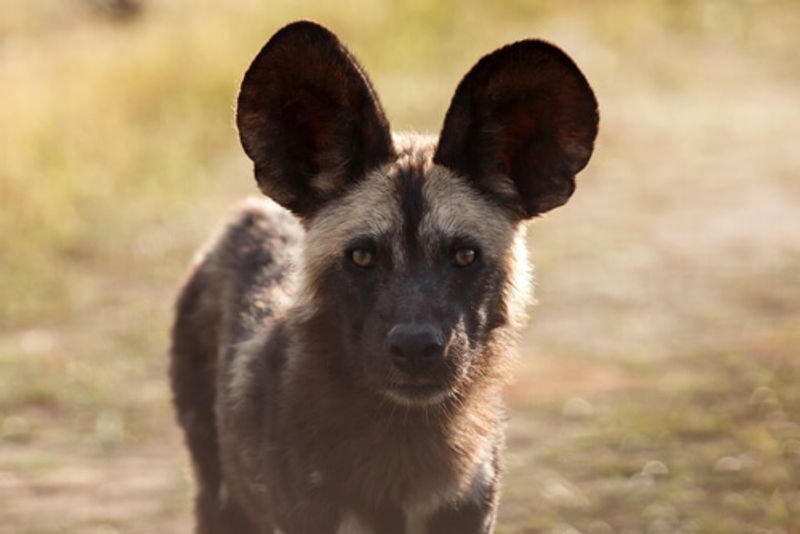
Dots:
{"x": 658, "y": 389}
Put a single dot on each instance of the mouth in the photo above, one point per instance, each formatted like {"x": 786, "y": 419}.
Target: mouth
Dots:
{"x": 419, "y": 395}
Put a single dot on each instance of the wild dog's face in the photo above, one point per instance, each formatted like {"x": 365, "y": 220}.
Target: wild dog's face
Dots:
{"x": 414, "y": 255}
{"x": 417, "y": 269}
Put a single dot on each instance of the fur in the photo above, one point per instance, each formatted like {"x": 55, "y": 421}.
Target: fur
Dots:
{"x": 296, "y": 413}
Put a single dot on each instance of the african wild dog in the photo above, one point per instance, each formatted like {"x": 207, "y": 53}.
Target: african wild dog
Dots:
{"x": 338, "y": 368}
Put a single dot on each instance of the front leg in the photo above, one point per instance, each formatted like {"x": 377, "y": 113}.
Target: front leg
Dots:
{"x": 466, "y": 518}
{"x": 475, "y": 512}
{"x": 310, "y": 516}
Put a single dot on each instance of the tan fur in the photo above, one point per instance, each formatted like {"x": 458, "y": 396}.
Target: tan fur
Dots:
{"x": 442, "y": 450}
{"x": 368, "y": 208}
{"x": 319, "y": 393}
{"x": 372, "y": 208}
{"x": 443, "y": 461}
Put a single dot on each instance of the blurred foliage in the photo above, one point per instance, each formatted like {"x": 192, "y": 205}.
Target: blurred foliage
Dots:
{"x": 658, "y": 387}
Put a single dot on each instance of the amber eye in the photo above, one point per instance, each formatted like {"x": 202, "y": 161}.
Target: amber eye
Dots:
{"x": 464, "y": 257}
{"x": 362, "y": 257}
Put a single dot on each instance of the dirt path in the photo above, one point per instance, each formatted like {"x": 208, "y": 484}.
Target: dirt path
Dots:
{"x": 135, "y": 490}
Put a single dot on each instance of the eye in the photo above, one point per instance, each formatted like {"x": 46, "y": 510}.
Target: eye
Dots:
{"x": 464, "y": 257}
{"x": 362, "y": 257}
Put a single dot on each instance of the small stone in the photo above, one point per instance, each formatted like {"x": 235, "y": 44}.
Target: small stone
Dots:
{"x": 655, "y": 468}
{"x": 577, "y": 408}
{"x": 641, "y": 480}
{"x": 749, "y": 460}
{"x": 661, "y": 526}
{"x": 109, "y": 427}
{"x": 728, "y": 464}
{"x": 599, "y": 527}
{"x": 563, "y": 493}
{"x": 37, "y": 341}
{"x": 762, "y": 394}
{"x": 660, "y": 510}
{"x": 792, "y": 446}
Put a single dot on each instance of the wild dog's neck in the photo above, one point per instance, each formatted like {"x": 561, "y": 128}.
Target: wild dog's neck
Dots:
{"x": 403, "y": 451}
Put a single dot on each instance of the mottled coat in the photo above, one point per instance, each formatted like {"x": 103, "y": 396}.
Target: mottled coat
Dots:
{"x": 339, "y": 351}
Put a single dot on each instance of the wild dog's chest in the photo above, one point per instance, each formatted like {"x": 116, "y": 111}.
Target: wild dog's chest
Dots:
{"x": 408, "y": 522}
{"x": 417, "y": 515}
{"x": 373, "y": 461}
{"x": 375, "y": 475}
{"x": 404, "y": 502}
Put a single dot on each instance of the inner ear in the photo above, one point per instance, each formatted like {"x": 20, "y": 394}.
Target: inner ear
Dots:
{"x": 309, "y": 118}
{"x": 521, "y": 125}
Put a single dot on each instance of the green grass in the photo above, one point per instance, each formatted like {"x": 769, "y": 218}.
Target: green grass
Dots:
{"x": 666, "y": 334}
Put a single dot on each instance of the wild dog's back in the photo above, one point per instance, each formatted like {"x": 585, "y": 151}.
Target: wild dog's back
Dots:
{"x": 237, "y": 285}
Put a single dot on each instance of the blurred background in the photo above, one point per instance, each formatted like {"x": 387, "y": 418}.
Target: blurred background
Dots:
{"x": 658, "y": 388}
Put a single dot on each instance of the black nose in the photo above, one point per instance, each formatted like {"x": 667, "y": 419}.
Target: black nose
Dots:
{"x": 415, "y": 348}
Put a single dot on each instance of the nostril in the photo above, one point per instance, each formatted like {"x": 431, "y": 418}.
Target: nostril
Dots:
{"x": 432, "y": 349}
{"x": 397, "y": 351}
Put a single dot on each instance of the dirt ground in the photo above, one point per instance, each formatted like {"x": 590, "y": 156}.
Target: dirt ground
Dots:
{"x": 658, "y": 384}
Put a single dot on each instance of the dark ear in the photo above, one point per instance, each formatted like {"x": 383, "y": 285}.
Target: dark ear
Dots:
{"x": 522, "y": 123}
{"x": 309, "y": 118}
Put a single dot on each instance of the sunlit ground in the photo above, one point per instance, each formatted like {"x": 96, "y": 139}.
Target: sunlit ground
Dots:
{"x": 659, "y": 382}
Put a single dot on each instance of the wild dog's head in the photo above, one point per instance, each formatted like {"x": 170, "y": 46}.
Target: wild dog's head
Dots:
{"x": 415, "y": 258}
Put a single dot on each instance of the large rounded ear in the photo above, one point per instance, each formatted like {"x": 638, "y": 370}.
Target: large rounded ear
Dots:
{"x": 309, "y": 118}
{"x": 522, "y": 123}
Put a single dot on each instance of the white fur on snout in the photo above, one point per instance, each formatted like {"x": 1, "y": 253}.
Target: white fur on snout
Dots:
{"x": 351, "y": 525}
{"x": 223, "y": 495}
{"x": 416, "y": 402}
{"x": 417, "y": 516}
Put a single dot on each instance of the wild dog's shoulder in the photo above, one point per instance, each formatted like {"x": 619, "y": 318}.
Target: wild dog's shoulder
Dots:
{"x": 244, "y": 274}
{"x": 255, "y": 227}
{"x": 257, "y": 236}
